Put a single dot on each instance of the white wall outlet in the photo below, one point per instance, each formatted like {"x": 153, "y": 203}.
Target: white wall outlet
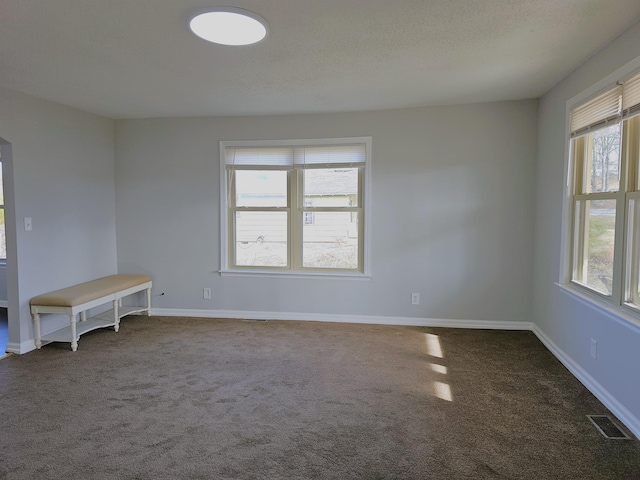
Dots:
{"x": 415, "y": 299}
{"x": 594, "y": 349}
{"x": 28, "y": 224}
{"x": 206, "y": 293}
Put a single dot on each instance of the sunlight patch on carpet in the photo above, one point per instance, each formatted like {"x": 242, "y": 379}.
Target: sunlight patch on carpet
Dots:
{"x": 433, "y": 345}
{"x": 438, "y": 368}
{"x": 443, "y": 391}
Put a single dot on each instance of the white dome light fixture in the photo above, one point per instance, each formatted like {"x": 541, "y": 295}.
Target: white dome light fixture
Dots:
{"x": 228, "y": 26}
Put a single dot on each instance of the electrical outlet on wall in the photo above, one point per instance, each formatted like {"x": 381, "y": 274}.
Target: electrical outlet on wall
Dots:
{"x": 415, "y": 299}
{"x": 594, "y": 349}
{"x": 206, "y": 293}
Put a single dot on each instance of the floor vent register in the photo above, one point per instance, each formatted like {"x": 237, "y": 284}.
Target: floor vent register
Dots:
{"x": 607, "y": 428}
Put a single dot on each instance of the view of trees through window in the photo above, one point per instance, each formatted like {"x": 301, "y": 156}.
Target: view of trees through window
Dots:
{"x": 603, "y": 172}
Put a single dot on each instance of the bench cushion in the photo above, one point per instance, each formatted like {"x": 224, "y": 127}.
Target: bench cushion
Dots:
{"x": 85, "y": 292}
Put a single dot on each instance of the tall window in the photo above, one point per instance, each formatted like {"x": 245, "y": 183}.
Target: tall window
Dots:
{"x": 295, "y": 206}
{"x": 605, "y": 152}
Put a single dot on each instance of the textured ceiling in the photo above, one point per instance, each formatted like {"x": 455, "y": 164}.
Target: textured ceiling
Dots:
{"x": 137, "y": 58}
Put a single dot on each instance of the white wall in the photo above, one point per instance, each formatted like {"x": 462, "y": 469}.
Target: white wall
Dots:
{"x": 452, "y": 204}
{"x": 63, "y": 177}
{"x": 567, "y": 322}
{"x": 3, "y": 284}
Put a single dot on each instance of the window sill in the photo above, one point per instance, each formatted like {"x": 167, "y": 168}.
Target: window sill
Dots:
{"x": 623, "y": 315}
{"x": 288, "y": 274}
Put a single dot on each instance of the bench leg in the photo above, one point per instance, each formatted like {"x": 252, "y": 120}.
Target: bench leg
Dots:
{"x": 74, "y": 337}
{"x": 36, "y": 326}
{"x": 116, "y": 316}
{"x": 148, "y": 302}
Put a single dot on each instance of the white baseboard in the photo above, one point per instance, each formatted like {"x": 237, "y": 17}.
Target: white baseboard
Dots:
{"x": 23, "y": 347}
{"x": 337, "y": 318}
{"x": 602, "y": 394}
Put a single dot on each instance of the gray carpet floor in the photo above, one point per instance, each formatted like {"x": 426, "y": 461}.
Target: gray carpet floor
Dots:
{"x": 183, "y": 398}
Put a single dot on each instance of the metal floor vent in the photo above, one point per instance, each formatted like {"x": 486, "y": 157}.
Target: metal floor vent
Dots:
{"x": 255, "y": 319}
{"x": 607, "y": 428}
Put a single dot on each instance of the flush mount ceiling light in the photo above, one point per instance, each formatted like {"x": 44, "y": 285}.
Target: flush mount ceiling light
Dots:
{"x": 228, "y": 26}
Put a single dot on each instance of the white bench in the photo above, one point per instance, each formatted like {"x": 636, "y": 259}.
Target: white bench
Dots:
{"x": 80, "y": 298}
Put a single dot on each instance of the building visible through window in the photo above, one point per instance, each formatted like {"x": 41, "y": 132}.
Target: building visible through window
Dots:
{"x": 295, "y": 206}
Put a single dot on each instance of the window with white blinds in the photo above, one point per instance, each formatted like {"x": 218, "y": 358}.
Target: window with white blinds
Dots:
{"x": 605, "y": 180}
{"x": 602, "y": 110}
{"x": 619, "y": 101}
{"x": 295, "y": 206}
{"x": 631, "y": 96}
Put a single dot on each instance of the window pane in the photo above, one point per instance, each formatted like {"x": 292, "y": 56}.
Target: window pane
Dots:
{"x": 261, "y": 239}
{"x": 331, "y": 240}
{"x": 599, "y": 238}
{"x": 633, "y": 254}
{"x": 602, "y": 173}
{"x": 261, "y": 188}
{"x": 331, "y": 187}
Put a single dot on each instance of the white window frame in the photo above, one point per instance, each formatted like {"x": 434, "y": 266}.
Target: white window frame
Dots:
{"x": 614, "y": 306}
{"x": 227, "y": 270}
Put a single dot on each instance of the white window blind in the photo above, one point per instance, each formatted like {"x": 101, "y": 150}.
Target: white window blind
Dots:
{"x": 597, "y": 112}
{"x": 323, "y": 156}
{"x": 631, "y": 97}
{"x": 258, "y": 157}
{"x": 330, "y": 156}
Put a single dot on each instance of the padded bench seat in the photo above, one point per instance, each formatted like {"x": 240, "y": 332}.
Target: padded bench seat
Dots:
{"x": 80, "y": 298}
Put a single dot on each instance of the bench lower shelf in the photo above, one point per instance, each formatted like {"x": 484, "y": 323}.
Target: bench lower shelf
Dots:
{"x": 102, "y": 320}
